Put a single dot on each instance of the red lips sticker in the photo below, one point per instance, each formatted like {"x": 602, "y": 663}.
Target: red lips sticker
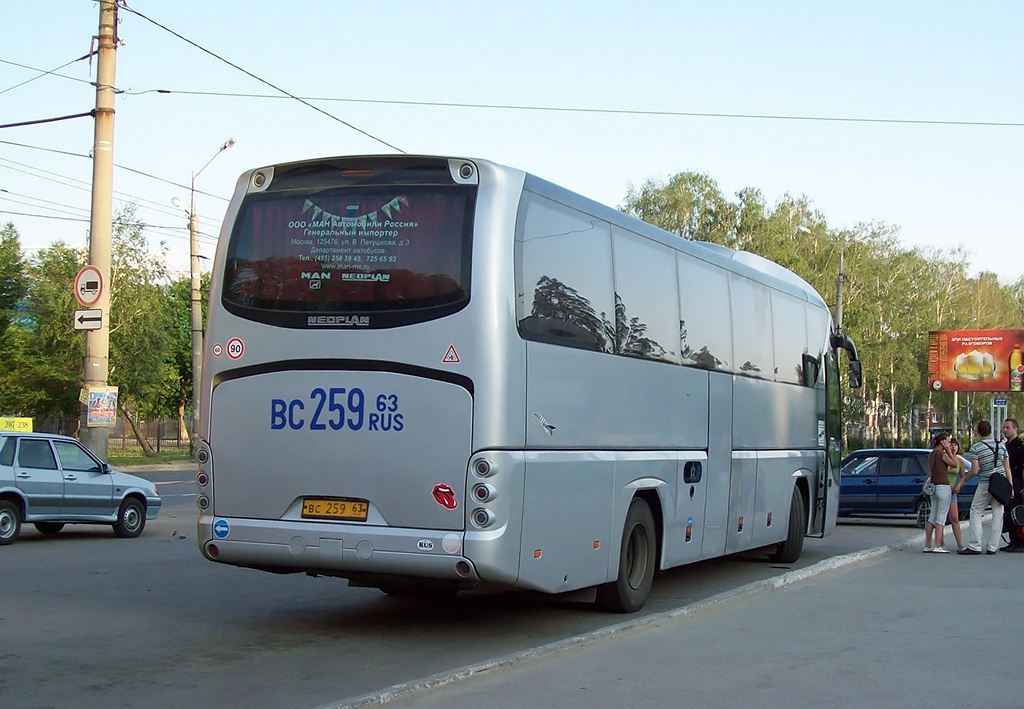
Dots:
{"x": 445, "y": 496}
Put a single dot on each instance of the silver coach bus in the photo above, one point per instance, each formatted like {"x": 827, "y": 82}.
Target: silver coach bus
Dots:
{"x": 429, "y": 374}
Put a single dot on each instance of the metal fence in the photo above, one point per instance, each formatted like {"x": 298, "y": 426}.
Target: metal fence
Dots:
{"x": 164, "y": 435}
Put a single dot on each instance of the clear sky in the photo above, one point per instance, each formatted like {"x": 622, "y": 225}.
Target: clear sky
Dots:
{"x": 935, "y": 60}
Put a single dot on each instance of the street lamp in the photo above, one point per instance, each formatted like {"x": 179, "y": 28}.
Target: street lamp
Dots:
{"x": 197, "y": 306}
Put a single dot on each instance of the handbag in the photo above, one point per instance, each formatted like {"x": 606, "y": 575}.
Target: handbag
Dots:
{"x": 998, "y": 486}
{"x": 1017, "y": 515}
{"x": 928, "y": 488}
{"x": 1000, "y": 489}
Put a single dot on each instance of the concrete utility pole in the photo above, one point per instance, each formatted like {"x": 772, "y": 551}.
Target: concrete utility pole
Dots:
{"x": 97, "y": 342}
{"x": 196, "y": 295}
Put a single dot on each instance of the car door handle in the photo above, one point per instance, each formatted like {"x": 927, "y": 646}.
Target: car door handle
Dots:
{"x": 919, "y": 481}
{"x": 869, "y": 482}
{"x": 71, "y": 477}
{"x": 24, "y": 476}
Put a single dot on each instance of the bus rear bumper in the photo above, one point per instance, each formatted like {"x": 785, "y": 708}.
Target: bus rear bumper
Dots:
{"x": 344, "y": 550}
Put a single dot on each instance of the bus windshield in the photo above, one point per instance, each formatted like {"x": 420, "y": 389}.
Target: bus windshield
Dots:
{"x": 350, "y": 250}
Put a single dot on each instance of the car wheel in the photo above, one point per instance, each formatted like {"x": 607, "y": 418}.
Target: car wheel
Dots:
{"x": 924, "y": 508}
{"x": 789, "y": 551}
{"x": 49, "y": 527}
{"x": 10, "y": 522}
{"x": 637, "y": 559}
{"x": 131, "y": 519}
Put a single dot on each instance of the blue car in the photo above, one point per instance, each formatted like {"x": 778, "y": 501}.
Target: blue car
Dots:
{"x": 887, "y": 481}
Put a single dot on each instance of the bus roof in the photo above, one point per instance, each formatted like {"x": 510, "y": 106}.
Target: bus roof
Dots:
{"x": 743, "y": 263}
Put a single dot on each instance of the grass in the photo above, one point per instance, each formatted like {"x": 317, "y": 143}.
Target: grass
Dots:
{"x": 139, "y": 459}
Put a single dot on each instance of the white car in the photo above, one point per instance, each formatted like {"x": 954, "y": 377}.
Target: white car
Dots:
{"x": 52, "y": 480}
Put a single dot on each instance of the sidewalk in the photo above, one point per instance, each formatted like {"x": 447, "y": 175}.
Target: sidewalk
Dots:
{"x": 889, "y": 627}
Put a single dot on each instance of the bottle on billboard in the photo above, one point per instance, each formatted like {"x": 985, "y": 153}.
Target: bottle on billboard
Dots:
{"x": 1016, "y": 368}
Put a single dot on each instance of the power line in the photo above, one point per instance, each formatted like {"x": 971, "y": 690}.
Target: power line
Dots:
{"x": 45, "y": 216}
{"x": 143, "y": 225}
{"x": 47, "y": 120}
{"x": 86, "y": 187}
{"x": 552, "y": 109}
{"x": 42, "y": 73}
{"x": 120, "y": 167}
{"x": 59, "y": 205}
{"x": 261, "y": 80}
{"x": 57, "y": 208}
{"x": 607, "y": 111}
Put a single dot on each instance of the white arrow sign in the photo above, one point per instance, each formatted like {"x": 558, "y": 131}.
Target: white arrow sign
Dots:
{"x": 88, "y": 319}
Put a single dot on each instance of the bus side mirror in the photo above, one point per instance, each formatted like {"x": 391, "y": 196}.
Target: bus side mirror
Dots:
{"x": 856, "y": 374}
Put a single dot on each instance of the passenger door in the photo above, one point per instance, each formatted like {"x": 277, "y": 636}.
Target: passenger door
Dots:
{"x": 36, "y": 474}
{"x": 859, "y": 485}
{"x": 900, "y": 477}
{"x": 88, "y": 491}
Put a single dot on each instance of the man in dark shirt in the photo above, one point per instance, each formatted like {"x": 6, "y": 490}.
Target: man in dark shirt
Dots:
{"x": 1015, "y": 451}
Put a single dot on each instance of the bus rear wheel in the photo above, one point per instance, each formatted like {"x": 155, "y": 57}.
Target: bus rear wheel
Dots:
{"x": 789, "y": 551}
{"x": 637, "y": 560}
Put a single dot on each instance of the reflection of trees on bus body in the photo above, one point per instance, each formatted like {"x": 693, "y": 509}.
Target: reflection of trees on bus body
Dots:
{"x": 554, "y": 300}
{"x": 702, "y": 358}
{"x": 629, "y": 335}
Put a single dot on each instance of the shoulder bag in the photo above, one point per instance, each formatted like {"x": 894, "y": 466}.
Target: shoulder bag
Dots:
{"x": 929, "y": 487}
{"x": 998, "y": 486}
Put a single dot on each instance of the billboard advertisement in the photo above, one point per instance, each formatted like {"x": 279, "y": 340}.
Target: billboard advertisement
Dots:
{"x": 975, "y": 360}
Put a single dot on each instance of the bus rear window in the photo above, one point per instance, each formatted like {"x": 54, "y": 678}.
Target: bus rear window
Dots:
{"x": 370, "y": 256}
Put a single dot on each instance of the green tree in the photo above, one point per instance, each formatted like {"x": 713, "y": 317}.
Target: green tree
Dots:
{"x": 12, "y": 275}
{"x": 177, "y": 395}
{"x": 689, "y": 204}
{"x": 13, "y": 286}
{"x": 46, "y": 351}
{"x": 140, "y": 319}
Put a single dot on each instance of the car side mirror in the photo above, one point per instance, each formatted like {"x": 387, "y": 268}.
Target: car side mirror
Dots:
{"x": 855, "y": 373}
{"x": 106, "y": 468}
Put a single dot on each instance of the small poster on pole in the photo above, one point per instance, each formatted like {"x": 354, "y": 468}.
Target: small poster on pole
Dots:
{"x": 102, "y": 406}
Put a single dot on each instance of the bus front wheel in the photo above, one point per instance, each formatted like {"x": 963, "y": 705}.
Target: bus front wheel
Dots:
{"x": 637, "y": 560}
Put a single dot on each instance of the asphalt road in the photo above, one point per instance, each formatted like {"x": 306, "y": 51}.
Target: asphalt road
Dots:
{"x": 90, "y": 620}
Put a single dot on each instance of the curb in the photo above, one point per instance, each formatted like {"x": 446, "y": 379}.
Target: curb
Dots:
{"x": 441, "y": 679}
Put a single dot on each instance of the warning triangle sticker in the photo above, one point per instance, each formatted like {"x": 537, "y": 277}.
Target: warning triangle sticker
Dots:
{"x": 451, "y": 356}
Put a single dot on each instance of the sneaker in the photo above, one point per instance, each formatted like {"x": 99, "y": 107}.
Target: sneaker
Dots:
{"x": 1008, "y": 547}
{"x": 991, "y": 552}
{"x": 928, "y": 550}
{"x": 970, "y": 552}
{"x": 940, "y": 550}
{"x": 1015, "y": 550}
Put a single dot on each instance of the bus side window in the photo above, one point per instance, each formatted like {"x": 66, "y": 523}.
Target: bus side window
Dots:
{"x": 561, "y": 296}
{"x": 705, "y": 333}
{"x": 752, "y": 336}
